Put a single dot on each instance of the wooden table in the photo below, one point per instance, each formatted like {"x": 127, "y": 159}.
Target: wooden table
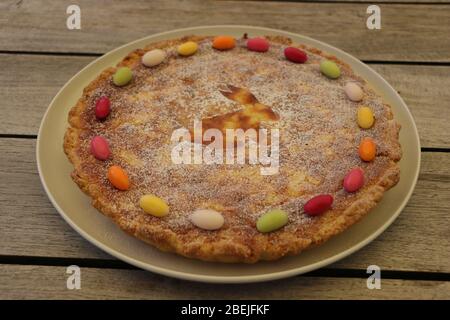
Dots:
{"x": 38, "y": 54}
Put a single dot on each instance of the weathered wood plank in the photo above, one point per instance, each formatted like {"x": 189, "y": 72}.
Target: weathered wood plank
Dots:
{"x": 30, "y": 226}
{"x": 421, "y": 231}
{"x": 413, "y": 32}
{"x": 30, "y": 82}
{"x": 44, "y": 282}
{"x": 23, "y": 202}
{"x": 424, "y": 90}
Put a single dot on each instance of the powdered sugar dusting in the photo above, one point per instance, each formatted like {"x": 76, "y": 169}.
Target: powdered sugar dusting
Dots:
{"x": 319, "y": 136}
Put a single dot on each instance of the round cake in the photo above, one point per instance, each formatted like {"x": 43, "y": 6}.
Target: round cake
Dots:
{"x": 144, "y": 142}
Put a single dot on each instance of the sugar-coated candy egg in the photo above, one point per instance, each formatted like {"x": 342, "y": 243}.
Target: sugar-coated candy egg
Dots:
{"x": 272, "y": 220}
{"x": 100, "y": 148}
{"x": 295, "y": 55}
{"x": 330, "y": 69}
{"x": 153, "y": 58}
{"x": 354, "y": 180}
{"x": 224, "y": 43}
{"x": 318, "y": 204}
{"x": 122, "y": 76}
{"x": 118, "y": 178}
{"x": 353, "y": 91}
{"x": 365, "y": 117}
{"x": 154, "y": 205}
{"x": 102, "y": 108}
{"x": 187, "y": 48}
{"x": 367, "y": 149}
{"x": 258, "y": 44}
{"x": 207, "y": 219}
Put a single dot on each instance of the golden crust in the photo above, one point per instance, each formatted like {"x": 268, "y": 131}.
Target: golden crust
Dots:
{"x": 237, "y": 241}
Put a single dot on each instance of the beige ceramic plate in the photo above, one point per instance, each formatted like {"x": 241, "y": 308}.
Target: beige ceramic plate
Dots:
{"x": 75, "y": 207}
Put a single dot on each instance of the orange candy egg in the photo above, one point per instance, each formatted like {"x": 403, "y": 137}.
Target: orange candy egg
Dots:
{"x": 367, "y": 149}
{"x": 118, "y": 178}
{"x": 224, "y": 43}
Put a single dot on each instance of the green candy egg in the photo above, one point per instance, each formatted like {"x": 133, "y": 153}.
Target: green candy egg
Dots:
{"x": 272, "y": 220}
{"x": 122, "y": 76}
{"x": 330, "y": 69}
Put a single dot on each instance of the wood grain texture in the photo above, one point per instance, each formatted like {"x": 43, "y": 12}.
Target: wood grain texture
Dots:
{"x": 29, "y": 83}
{"x": 425, "y": 91}
{"x": 23, "y": 200}
{"x": 30, "y": 226}
{"x": 45, "y": 282}
{"x": 410, "y": 32}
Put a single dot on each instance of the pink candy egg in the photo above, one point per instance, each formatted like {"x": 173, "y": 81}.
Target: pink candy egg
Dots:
{"x": 100, "y": 148}
{"x": 295, "y": 55}
{"x": 258, "y": 44}
{"x": 102, "y": 108}
{"x": 354, "y": 180}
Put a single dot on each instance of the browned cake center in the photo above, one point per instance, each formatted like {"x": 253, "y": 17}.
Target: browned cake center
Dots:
{"x": 249, "y": 117}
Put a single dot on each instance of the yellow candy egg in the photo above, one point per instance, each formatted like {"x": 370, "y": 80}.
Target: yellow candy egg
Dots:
{"x": 154, "y": 205}
{"x": 187, "y": 48}
{"x": 365, "y": 117}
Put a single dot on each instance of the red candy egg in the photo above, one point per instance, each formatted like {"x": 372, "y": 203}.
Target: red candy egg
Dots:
{"x": 295, "y": 55}
{"x": 102, "y": 108}
{"x": 258, "y": 44}
{"x": 100, "y": 148}
{"x": 318, "y": 205}
{"x": 354, "y": 180}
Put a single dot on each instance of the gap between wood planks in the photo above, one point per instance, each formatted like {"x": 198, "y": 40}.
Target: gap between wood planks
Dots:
{"x": 93, "y": 54}
{"x": 120, "y": 265}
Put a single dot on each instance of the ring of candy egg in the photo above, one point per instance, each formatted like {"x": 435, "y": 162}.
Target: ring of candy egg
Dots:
{"x": 209, "y": 219}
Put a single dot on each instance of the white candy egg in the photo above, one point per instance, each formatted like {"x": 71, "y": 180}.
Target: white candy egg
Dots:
{"x": 153, "y": 57}
{"x": 207, "y": 219}
{"x": 353, "y": 91}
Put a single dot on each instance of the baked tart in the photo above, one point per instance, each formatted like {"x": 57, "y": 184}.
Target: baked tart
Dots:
{"x": 330, "y": 146}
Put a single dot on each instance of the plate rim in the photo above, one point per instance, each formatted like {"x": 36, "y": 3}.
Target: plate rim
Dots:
{"x": 228, "y": 279}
